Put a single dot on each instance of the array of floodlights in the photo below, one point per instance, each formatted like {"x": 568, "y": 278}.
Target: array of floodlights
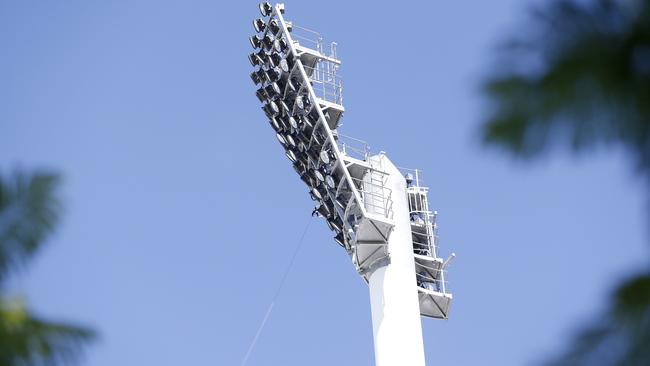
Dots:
{"x": 285, "y": 94}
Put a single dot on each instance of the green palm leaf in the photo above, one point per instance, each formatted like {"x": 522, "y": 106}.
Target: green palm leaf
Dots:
{"x": 27, "y": 340}
{"x": 29, "y": 212}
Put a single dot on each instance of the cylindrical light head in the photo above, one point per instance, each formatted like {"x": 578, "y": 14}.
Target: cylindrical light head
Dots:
{"x": 293, "y": 123}
{"x": 281, "y": 139}
{"x": 274, "y": 123}
{"x": 268, "y": 41}
{"x": 276, "y": 59}
{"x": 265, "y": 9}
{"x": 340, "y": 239}
{"x": 273, "y": 90}
{"x": 273, "y": 108}
{"x": 284, "y": 46}
{"x": 255, "y": 76}
{"x": 256, "y": 41}
{"x": 255, "y": 59}
{"x": 291, "y": 156}
{"x": 284, "y": 109}
{"x": 334, "y": 226}
{"x": 261, "y": 95}
{"x": 290, "y": 141}
{"x": 274, "y": 27}
{"x": 259, "y": 25}
{"x": 284, "y": 65}
{"x": 330, "y": 182}
{"x": 318, "y": 175}
{"x": 324, "y": 157}
{"x": 323, "y": 210}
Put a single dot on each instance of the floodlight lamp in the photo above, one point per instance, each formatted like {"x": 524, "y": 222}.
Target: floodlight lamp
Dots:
{"x": 281, "y": 139}
{"x": 334, "y": 225}
{"x": 340, "y": 239}
{"x": 272, "y": 90}
{"x": 274, "y": 123}
{"x": 284, "y": 65}
{"x": 256, "y": 41}
{"x": 274, "y": 74}
{"x": 300, "y": 103}
{"x": 259, "y": 25}
{"x": 267, "y": 111}
{"x": 316, "y": 194}
{"x": 291, "y": 155}
{"x": 318, "y": 175}
{"x": 265, "y": 9}
{"x": 293, "y": 123}
{"x": 290, "y": 141}
{"x": 284, "y": 46}
{"x": 258, "y": 76}
{"x": 330, "y": 182}
{"x": 255, "y": 59}
{"x": 285, "y": 109}
{"x": 341, "y": 205}
{"x": 306, "y": 126}
{"x": 274, "y": 27}
{"x": 325, "y": 157}
{"x": 277, "y": 47}
{"x": 275, "y": 59}
{"x": 317, "y": 138}
{"x": 302, "y": 147}
{"x": 298, "y": 170}
{"x": 323, "y": 210}
{"x": 303, "y": 103}
{"x": 261, "y": 95}
{"x": 273, "y": 107}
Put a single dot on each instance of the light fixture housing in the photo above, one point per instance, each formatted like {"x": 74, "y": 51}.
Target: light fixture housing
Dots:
{"x": 259, "y": 25}
{"x": 255, "y": 41}
{"x": 265, "y": 9}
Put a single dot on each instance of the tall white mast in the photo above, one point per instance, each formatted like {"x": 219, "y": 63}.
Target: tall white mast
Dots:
{"x": 379, "y": 215}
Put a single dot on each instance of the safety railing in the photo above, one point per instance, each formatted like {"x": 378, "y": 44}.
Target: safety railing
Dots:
{"x": 438, "y": 284}
{"x": 306, "y": 37}
{"x": 309, "y": 38}
{"x": 327, "y": 84}
{"x": 376, "y": 197}
{"x": 415, "y": 175}
{"x": 353, "y": 147}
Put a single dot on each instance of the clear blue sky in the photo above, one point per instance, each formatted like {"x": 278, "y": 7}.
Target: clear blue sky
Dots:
{"x": 182, "y": 211}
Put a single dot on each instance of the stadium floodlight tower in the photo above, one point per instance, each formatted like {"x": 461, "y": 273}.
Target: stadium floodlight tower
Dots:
{"x": 379, "y": 214}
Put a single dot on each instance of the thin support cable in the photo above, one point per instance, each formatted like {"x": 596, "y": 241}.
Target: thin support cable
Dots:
{"x": 277, "y": 292}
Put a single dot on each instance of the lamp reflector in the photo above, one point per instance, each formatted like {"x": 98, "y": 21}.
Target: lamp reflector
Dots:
{"x": 340, "y": 239}
{"x": 256, "y": 41}
{"x": 255, "y": 59}
{"x": 330, "y": 182}
{"x": 319, "y": 175}
{"x": 259, "y": 25}
{"x": 324, "y": 157}
{"x": 265, "y": 9}
{"x": 293, "y": 123}
{"x": 261, "y": 95}
{"x": 290, "y": 141}
{"x": 281, "y": 139}
{"x": 291, "y": 155}
{"x": 274, "y": 123}
{"x": 284, "y": 65}
{"x": 274, "y": 27}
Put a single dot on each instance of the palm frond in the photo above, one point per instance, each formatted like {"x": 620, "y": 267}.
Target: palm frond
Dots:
{"x": 27, "y": 340}
{"x": 29, "y": 211}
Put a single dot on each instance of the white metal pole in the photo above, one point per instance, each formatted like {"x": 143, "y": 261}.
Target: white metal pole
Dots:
{"x": 393, "y": 290}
